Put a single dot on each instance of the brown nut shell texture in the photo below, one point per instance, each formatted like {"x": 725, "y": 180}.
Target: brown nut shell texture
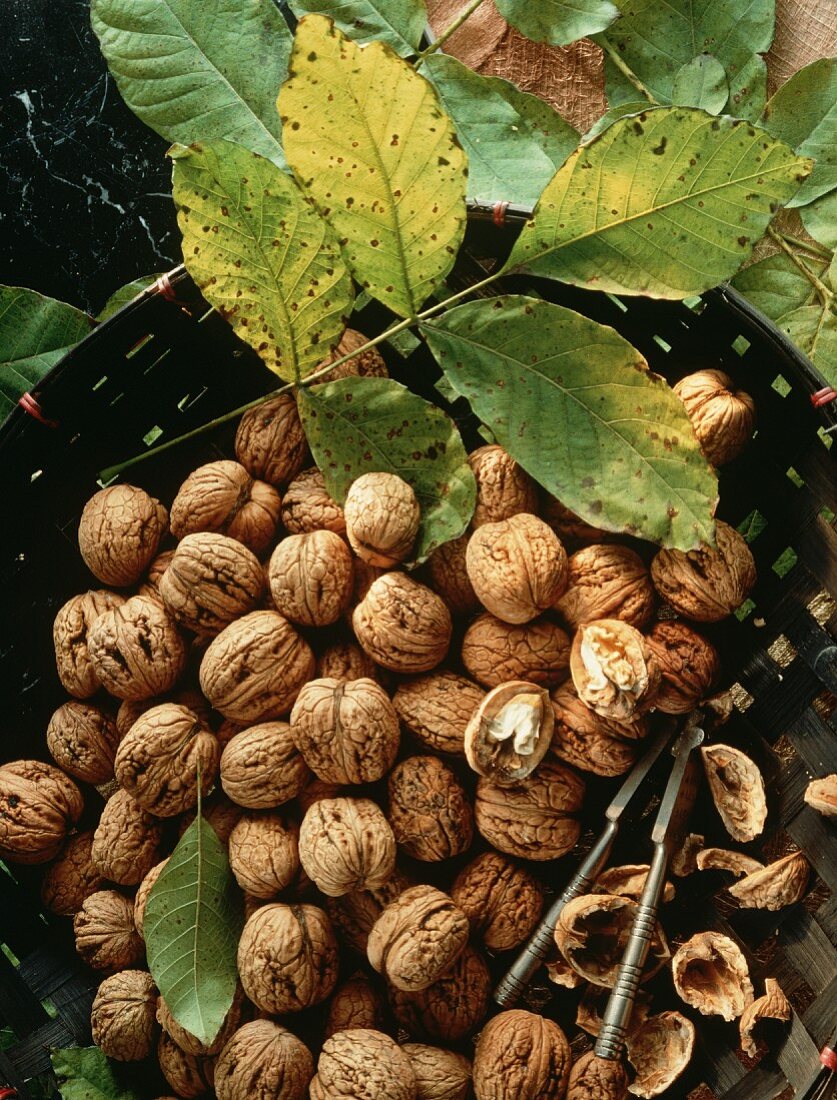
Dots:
{"x": 105, "y": 934}
{"x": 606, "y": 582}
{"x": 211, "y": 580}
{"x": 368, "y": 364}
{"x": 307, "y": 506}
{"x": 69, "y": 636}
{"x": 346, "y": 844}
{"x": 452, "y": 1007}
{"x": 189, "y": 1075}
{"x": 119, "y": 532}
{"x": 345, "y": 660}
{"x": 402, "y": 624}
{"x": 719, "y": 859}
{"x": 264, "y": 853}
{"x": 709, "y": 583}
{"x": 510, "y": 732}
{"x": 223, "y": 497}
{"x": 429, "y": 811}
{"x": 501, "y": 900}
{"x": 689, "y": 666}
{"x": 437, "y": 707}
{"x": 773, "y": 1004}
{"x": 354, "y": 914}
{"x": 532, "y": 819}
{"x": 773, "y": 887}
{"x": 723, "y": 417}
{"x": 123, "y": 1018}
{"x": 448, "y": 576}
{"x": 82, "y": 739}
{"x": 440, "y": 1074}
{"x": 126, "y": 841}
{"x": 417, "y": 938}
{"x": 494, "y": 652}
{"x": 592, "y": 933}
{"x": 263, "y": 1061}
{"x": 365, "y": 1065}
{"x": 136, "y": 650}
{"x": 523, "y": 1055}
{"x": 593, "y": 1078}
{"x": 72, "y": 877}
{"x": 710, "y": 974}
{"x": 737, "y": 789}
{"x": 659, "y": 1050}
{"x": 311, "y": 578}
{"x": 591, "y": 741}
{"x": 382, "y": 518}
{"x": 150, "y": 585}
{"x": 141, "y": 896}
{"x": 613, "y": 669}
{"x": 188, "y": 1042}
{"x": 355, "y": 1003}
{"x": 261, "y": 767}
{"x": 270, "y": 441}
{"x": 38, "y": 806}
{"x": 503, "y": 488}
{"x": 821, "y": 795}
{"x": 628, "y": 881}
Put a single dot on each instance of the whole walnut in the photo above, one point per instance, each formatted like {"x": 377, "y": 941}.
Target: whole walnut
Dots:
{"x": 270, "y": 441}
{"x": 223, "y": 497}
{"x": 287, "y": 958}
{"x": 188, "y": 1042}
{"x": 531, "y": 819}
{"x": 594, "y": 1078}
{"x": 417, "y": 938}
{"x": 591, "y": 741}
{"x": 689, "y": 666}
{"x": 503, "y": 488}
{"x": 517, "y": 566}
{"x": 501, "y": 900}
{"x": 347, "y": 732}
{"x": 437, "y": 707}
{"x": 440, "y": 1074}
{"x": 346, "y": 844}
{"x": 448, "y": 576}
{"x": 72, "y": 877}
{"x": 141, "y": 896}
{"x": 307, "y": 506}
{"x": 264, "y": 853}
{"x": 429, "y": 811}
{"x": 136, "y": 650}
{"x": 69, "y": 635}
{"x": 211, "y": 580}
{"x": 523, "y": 1055}
{"x": 709, "y": 583}
{"x": 494, "y": 652}
{"x": 402, "y": 624}
{"x": 161, "y": 756}
{"x": 723, "y": 417}
{"x": 127, "y": 840}
{"x": 150, "y": 585}
{"x": 261, "y": 767}
{"x": 254, "y": 669}
{"x": 451, "y": 1008}
{"x": 263, "y": 1061}
{"x": 38, "y": 806}
{"x": 131, "y": 709}
{"x": 123, "y": 1018}
{"x": 382, "y": 518}
{"x": 119, "y": 533}
{"x": 569, "y": 527}
{"x": 606, "y": 582}
{"x": 189, "y": 1075}
{"x": 365, "y": 1065}
{"x": 105, "y": 934}
{"x": 219, "y": 812}
{"x": 613, "y": 668}
{"x": 354, "y": 914}
{"x": 82, "y": 739}
{"x": 311, "y": 578}
{"x": 510, "y": 732}
{"x": 369, "y": 364}
{"x": 345, "y": 660}
{"x": 355, "y": 1003}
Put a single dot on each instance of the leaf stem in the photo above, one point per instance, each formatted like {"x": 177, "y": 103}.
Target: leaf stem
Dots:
{"x": 437, "y": 44}
{"x": 814, "y": 247}
{"x": 627, "y": 72}
{"x": 825, "y": 295}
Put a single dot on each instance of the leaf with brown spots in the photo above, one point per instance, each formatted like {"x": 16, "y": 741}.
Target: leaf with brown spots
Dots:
{"x": 578, "y": 408}
{"x": 261, "y": 255}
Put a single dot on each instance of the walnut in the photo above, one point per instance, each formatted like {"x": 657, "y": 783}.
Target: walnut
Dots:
{"x": 569, "y": 527}
{"x": 737, "y": 789}
{"x": 287, "y": 958}
{"x": 218, "y": 812}
{"x": 369, "y": 364}
{"x": 354, "y": 914}
{"x": 517, "y": 566}
{"x": 160, "y": 758}
{"x": 307, "y": 506}
{"x": 141, "y": 896}
{"x": 628, "y": 881}
{"x": 606, "y": 582}
{"x": 494, "y": 652}
{"x": 718, "y": 859}
{"x": 773, "y": 1004}
{"x": 382, "y": 518}
{"x": 437, "y": 707}
{"x": 223, "y": 497}
{"x": 440, "y": 1074}
{"x": 38, "y": 805}
{"x": 452, "y": 1007}
{"x": 689, "y": 666}
{"x": 448, "y": 576}
{"x": 189, "y": 1075}
{"x": 127, "y": 840}
{"x": 346, "y": 844}
{"x": 417, "y": 938}
{"x": 821, "y": 795}
{"x": 365, "y": 1065}
{"x": 659, "y": 1050}
{"x": 131, "y": 709}
{"x": 123, "y": 1018}
{"x": 261, "y": 768}
{"x": 150, "y": 585}
{"x": 346, "y": 732}
{"x": 592, "y": 932}
{"x": 591, "y": 1009}
{"x": 315, "y": 789}
{"x": 270, "y": 441}
{"x": 82, "y": 739}
{"x": 503, "y": 488}
{"x": 345, "y": 660}
{"x": 254, "y": 669}
{"x": 189, "y": 1043}
{"x": 613, "y": 669}
{"x": 105, "y": 934}
{"x": 711, "y": 975}
{"x": 355, "y": 1003}
{"x": 136, "y": 650}
{"x": 69, "y": 635}
{"x": 403, "y": 625}
{"x": 501, "y": 900}
{"x": 510, "y": 732}
{"x": 311, "y": 577}
{"x": 532, "y": 819}
{"x": 263, "y": 1061}
{"x": 773, "y": 887}
{"x": 523, "y": 1055}
{"x": 723, "y": 418}
{"x": 72, "y": 877}
{"x": 684, "y": 861}
{"x": 428, "y": 810}
{"x": 119, "y": 533}
{"x": 264, "y": 853}
{"x": 709, "y": 583}
{"x": 212, "y": 579}
{"x": 591, "y": 741}
{"x": 593, "y": 1078}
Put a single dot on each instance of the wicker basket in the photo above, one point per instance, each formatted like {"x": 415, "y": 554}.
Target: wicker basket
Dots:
{"x": 166, "y": 363}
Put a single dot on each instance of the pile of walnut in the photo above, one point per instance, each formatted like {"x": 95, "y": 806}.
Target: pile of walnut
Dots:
{"x": 280, "y": 645}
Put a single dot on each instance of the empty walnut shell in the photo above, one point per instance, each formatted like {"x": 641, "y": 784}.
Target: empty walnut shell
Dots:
{"x": 440, "y": 1074}
{"x": 429, "y": 811}
{"x": 501, "y": 900}
{"x": 38, "y": 806}
{"x": 354, "y": 914}
{"x": 593, "y": 1078}
{"x": 223, "y": 497}
{"x": 402, "y": 624}
{"x": 628, "y": 881}
{"x": 437, "y": 707}
{"x": 737, "y": 789}
{"x": 711, "y": 975}
{"x": 503, "y": 487}
{"x": 591, "y": 1008}
{"x": 659, "y": 1050}
{"x": 126, "y": 841}
{"x": 510, "y": 732}
{"x": 689, "y": 666}
{"x": 355, "y": 1003}
{"x": 211, "y": 580}
{"x": 105, "y": 934}
{"x": 119, "y": 532}
{"x": 263, "y": 1061}
{"x": 523, "y": 1055}
{"x": 448, "y": 576}
{"x": 261, "y": 767}
{"x": 591, "y": 741}
{"x": 684, "y": 861}
{"x": 417, "y": 938}
{"x": 532, "y": 819}
{"x": 311, "y": 578}
{"x": 613, "y": 669}
{"x": 346, "y": 844}
{"x": 270, "y": 441}
{"x": 136, "y": 650}
{"x": 382, "y": 518}
{"x": 592, "y": 932}
{"x": 307, "y": 506}
{"x": 773, "y": 887}
{"x": 559, "y": 972}
{"x": 773, "y": 1004}
{"x": 82, "y": 740}
{"x": 821, "y": 795}
{"x": 451, "y": 1008}
{"x": 363, "y": 1064}
{"x": 606, "y": 582}
{"x": 122, "y": 1019}
{"x": 72, "y": 878}
{"x": 264, "y": 853}
{"x": 709, "y": 583}
{"x": 69, "y": 635}
{"x": 723, "y": 417}
{"x": 719, "y": 859}
{"x": 494, "y": 652}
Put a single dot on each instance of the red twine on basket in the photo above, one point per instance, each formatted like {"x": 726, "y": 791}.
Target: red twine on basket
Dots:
{"x": 498, "y": 214}
{"x": 31, "y": 406}
{"x": 4, "y": 1093}
{"x": 828, "y": 1057}
{"x": 823, "y": 397}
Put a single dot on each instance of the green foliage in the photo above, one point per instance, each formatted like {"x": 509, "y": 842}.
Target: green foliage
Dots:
{"x": 261, "y": 254}
{"x": 613, "y": 114}
{"x": 558, "y": 22}
{"x": 820, "y": 219}
{"x": 803, "y": 114}
{"x": 399, "y": 23}
{"x": 667, "y": 203}
{"x": 701, "y": 82}
{"x": 357, "y": 425}
{"x": 126, "y": 294}
{"x": 814, "y": 329}
{"x": 199, "y": 69}
{"x": 84, "y": 1073}
{"x": 578, "y": 408}
{"x": 368, "y": 141}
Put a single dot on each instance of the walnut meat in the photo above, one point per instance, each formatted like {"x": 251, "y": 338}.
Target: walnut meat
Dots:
{"x": 523, "y": 1055}
{"x": 723, "y": 417}
{"x": 72, "y": 877}
{"x": 254, "y": 669}
{"x": 659, "y": 1050}
{"x": 821, "y": 795}
{"x": 448, "y": 576}
{"x": 263, "y": 1061}
{"x": 346, "y": 844}
{"x": 211, "y": 580}
{"x": 428, "y": 810}
{"x": 136, "y": 650}
{"x": 223, "y": 497}
{"x": 402, "y": 624}
{"x": 123, "y": 1018}
{"x": 510, "y": 732}
{"x": 501, "y": 900}
{"x": 119, "y": 533}
{"x": 494, "y": 652}
{"x": 773, "y": 887}
{"x": 417, "y": 938}
{"x": 503, "y": 488}
{"x": 189, "y": 1075}
{"x": 105, "y": 934}
{"x": 592, "y": 933}
{"x": 437, "y": 707}
{"x": 591, "y": 741}
{"x": 772, "y": 1004}
{"x": 82, "y": 739}
{"x": 440, "y": 1074}
{"x": 264, "y": 853}
{"x": 354, "y": 914}
{"x": 532, "y": 819}
{"x": 593, "y": 1078}
{"x": 69, "y": 635}
{"x": 38, "y": 805}
{"x": 613, "y": 669}
{"x": 311, "y": 577}
{"x": 452, "y": 1007}
{"x": 261, "y": 767}
{"x": 369, "y": 364}
{"x": 365, "y": 1065}
{"x": 127, "y": 840}
{"x": 355, "y": 1003}
{"x": 270, "y": 441}
{"x": 307, "y": 506}
{"x": 711, "y": 975}
{"x": 382, "y": 518}
{"x": 606, "y": 582}
{"x": 689, "y": 666}
{"x": 709, "y": 583}
{"x": 737, "y": 790}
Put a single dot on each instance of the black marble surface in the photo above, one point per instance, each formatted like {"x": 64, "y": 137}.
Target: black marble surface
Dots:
{"x": 85, "y": 189}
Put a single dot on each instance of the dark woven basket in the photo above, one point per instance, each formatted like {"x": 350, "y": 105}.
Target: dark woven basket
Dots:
{"x": 166, "y": 363}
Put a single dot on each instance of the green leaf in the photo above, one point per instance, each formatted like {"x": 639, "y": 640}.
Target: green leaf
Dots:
{"x": 399, "y": 23}
{"x": 776, "y": 285}
{"x": 814, "y": 329}
{"x": 84, "y": 1073}
{"x": 193, "y": 920}
{"x": 35, "y": 333}
{"x": 515, "y": 142}
{"x": 578, "y": 408}
{"x": 803, "y": 114}
{"x": 261, "y": 254}
{"x": 199, "y": 69}
{"x": 126, "y": 294}
{"x": 358, "y": 425}
{"x": 820, "y": 219}
{"x": 701, "y": 82}
{"x": 558, "y": 22}
{"x": 666, "y": 203}
{"x": 367, "y": 139}
{"x": 613, "y": 114}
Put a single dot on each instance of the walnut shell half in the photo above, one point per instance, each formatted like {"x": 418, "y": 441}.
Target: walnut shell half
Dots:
{"x": 711, "y": 975}
{"x": 773, "y": 1004}
{"x": 38, "y": 805}
{"x": 532, "y": 819}
{"x": 510, "y": 732}
{"x": 592, "y": 932}
{"x": 821, "y": 795}
{"x": 659, "y": 1050}
{"x": 773, "y": 887}
{"x": 417, "y": 938}
{"x": 737, "y": 789}
{"x": 523, "y": 1055}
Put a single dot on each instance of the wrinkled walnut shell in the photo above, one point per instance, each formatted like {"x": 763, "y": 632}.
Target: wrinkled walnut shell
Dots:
{"x": 261, "y": 768}
{"x": 440, "y": 1074}
{"x": 711, "y": 975}
{"x": 689, "y": 666}
{"x": 119, "y": 533}
{"x": 82, "y": 740}
{"x": 718, "y": 859}
{"x": 345, "y": 661}
{"x": 591, "y": 1008}
{"x": 606, "y": 582}
{"x": 346, "y": 844}
{"x": 402, "y": 624}
{"x": 417, "y": 938}
{"x": 737, "y": 790}
{"x": 311, "y": 578}
{"x": 494, "y": 652}
{"x": 189, "y": 1075}
{"x": 510, "y": 732}
{"x": 592, "y": 933}
{"x": 264, "y": 853}
{"x": 628, "y": 881}
{"x": 369, "y": 364}
{"x": 772, "y": 1004}
{"x": 684, "y": 861}
{"x": 532, "y": 819}
{"x": 452, "y": 1007}
{"x": 613, "y": 669}
{"x": 141, "y": 896}
{"x": 263, "y": 1061}
{"x": 355, "y": 1003}
{"x": 69, "y": 635}
{"x": 709, "y": 583}
{"x": 429, "y": 812}
{"x": 365, "y": 1065}
{"x": 307, "y": 506}
{"x": 503, "y": 488}
{"x": 437, "y": 707}
{"x": 821, "y": 795}
{"x": 523, "y": 1055}
{"x": 123, "y": 1018}
{"x": 593, "y": 1078}
{"x": 448, "y": 576}
{"x": 501, "y": 900}
{"x": 38, "y": 805}
{"x": 591, "y": 741}
{"x": 136, "y": 650}
{"x": 223, "y": 497}
{"x": 72, "y": 877}
{"x": 723, "y": 417}
{"x": 105, "y": 934}
{"x": 126, "y": 841}
{"x": 382, "y": 518}
{"x": 354, "y": 914}
{"x": 211, "y": 580}
{"x": 270, "y": 441}
{"x": 188, "y": 1042}
{"x": 773, "y": 887}
{"x": 659, "y": 1050}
